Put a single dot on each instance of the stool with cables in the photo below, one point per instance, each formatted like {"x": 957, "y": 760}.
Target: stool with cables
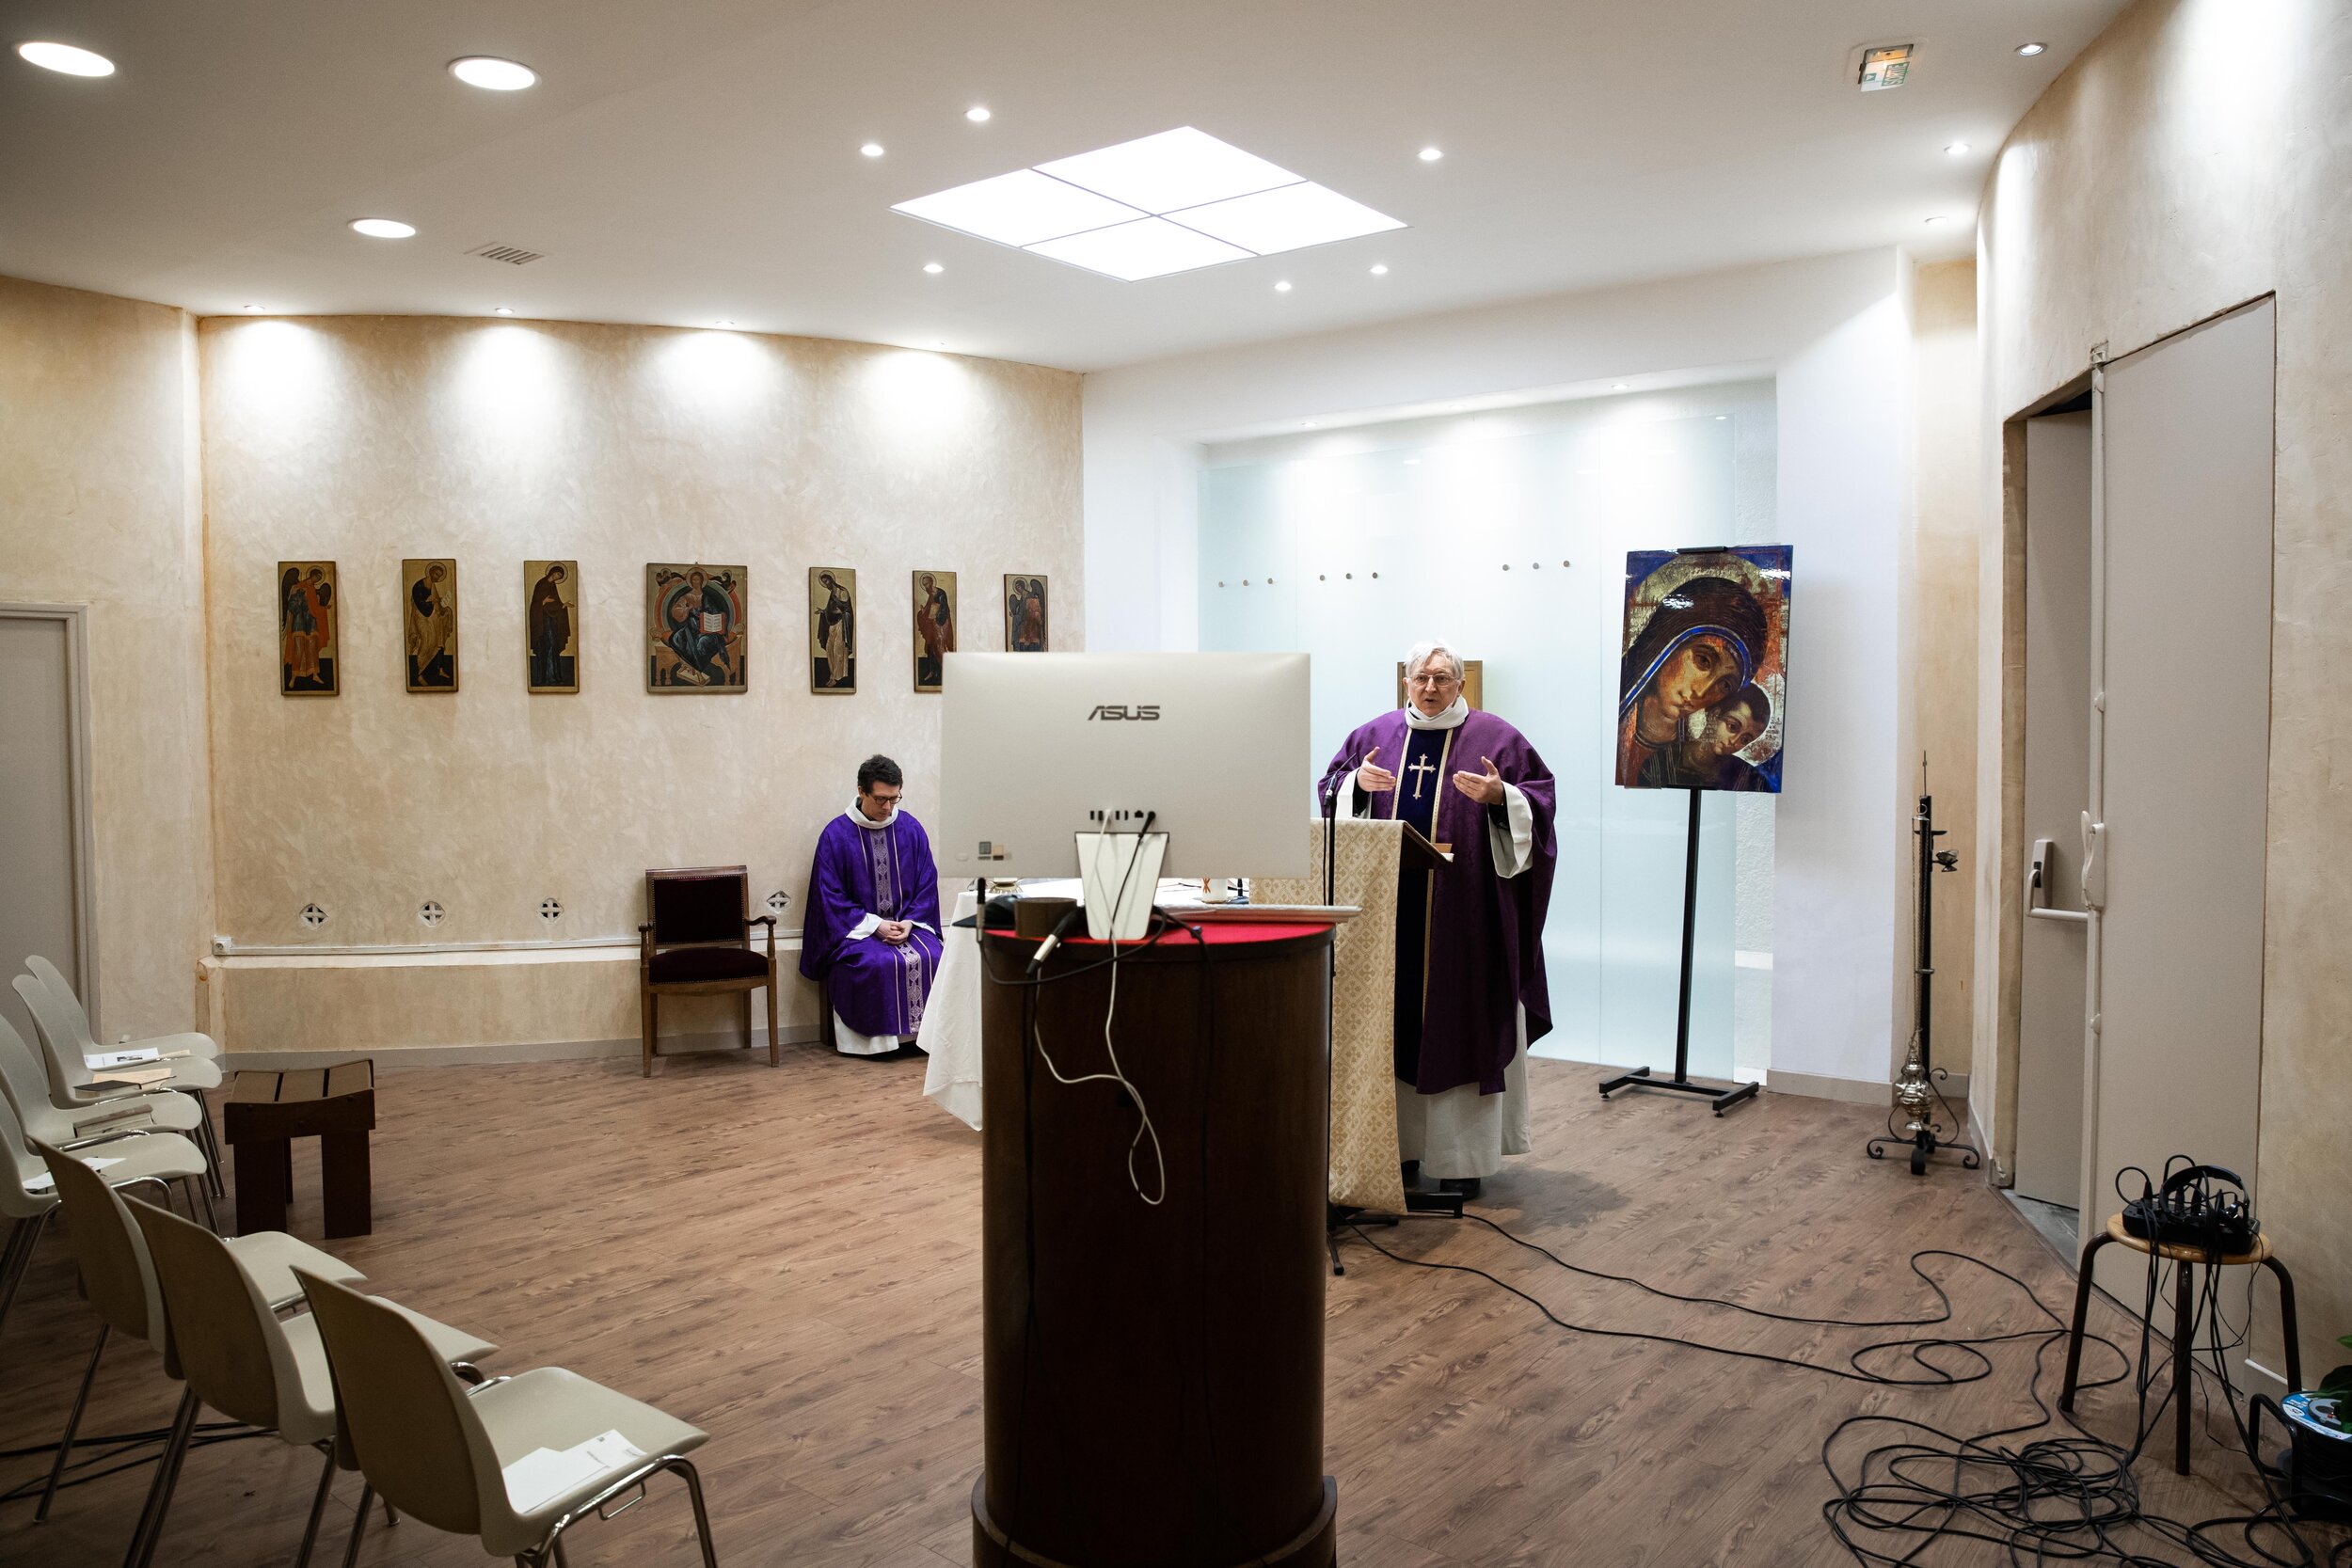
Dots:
{"x": 2258, "y": 1256}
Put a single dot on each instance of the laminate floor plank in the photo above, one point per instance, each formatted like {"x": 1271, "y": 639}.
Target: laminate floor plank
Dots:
{"x": 789, "y": 1257}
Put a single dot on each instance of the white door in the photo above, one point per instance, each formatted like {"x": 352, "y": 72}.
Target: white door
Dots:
{"x": 2181, "y": 759}
{"x": 2058, "y": 786}
{"x": 40, "y": 891}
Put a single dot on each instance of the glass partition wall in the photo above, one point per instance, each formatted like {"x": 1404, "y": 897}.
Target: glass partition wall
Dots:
{"x": 1505, "y": 533}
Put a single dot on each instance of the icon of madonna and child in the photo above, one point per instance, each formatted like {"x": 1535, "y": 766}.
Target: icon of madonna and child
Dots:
{"x": 1703, "y": 683}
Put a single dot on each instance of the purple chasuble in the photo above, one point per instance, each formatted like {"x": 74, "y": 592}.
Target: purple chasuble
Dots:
{"x": 1478, "y": 936}
{"x": 876, "y": 987}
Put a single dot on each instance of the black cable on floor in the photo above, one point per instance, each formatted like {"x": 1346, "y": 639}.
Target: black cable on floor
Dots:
{"x": 2060, "y": 1498}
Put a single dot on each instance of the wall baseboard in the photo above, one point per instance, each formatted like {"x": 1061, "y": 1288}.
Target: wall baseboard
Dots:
{"x": 1854, "y": 1091}
{"x": 518, "y": 1051}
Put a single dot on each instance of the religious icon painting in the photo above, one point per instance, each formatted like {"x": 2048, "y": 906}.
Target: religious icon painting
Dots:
{"x": 1024, "y": 614}
{"x": 551, "y": 624}
{"x": 307, "y": 614}
{"x": 696, "y": 627}
{"x": 428, "y": 619}
{"x": 1703, "y": 681}
{"x": 833, "y": 630}
{"x": 934, "y": 628}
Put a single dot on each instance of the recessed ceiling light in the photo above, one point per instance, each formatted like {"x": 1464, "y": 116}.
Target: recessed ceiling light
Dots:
{"x": 933, "y": 267}
{"x": 66, "y": 59}
{"x": 872, "y": 149}
{"x": 1159, "y": 204}
{"x": 1957, "y": 150}
{"x": 1431, "y": 154}
{"x": 2030, "y": 50}
{"x": 252, "y": 309}
{"x": 383, "y": 228}
{"x": 490, "y": 72}
{"x": 1283, "y": 287}
{"x": 1622, "y": 386}
{"x": 502, "y": 309}
{"x": 1380, "y": 269}
{"x": 976, "y": 114}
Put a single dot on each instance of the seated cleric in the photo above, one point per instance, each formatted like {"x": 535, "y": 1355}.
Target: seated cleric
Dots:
{"x": 1471, "y": 993}
{"x": 873, "y": 931}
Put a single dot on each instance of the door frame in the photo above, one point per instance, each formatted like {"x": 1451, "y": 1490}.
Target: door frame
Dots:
{"x": 75, "y": 619}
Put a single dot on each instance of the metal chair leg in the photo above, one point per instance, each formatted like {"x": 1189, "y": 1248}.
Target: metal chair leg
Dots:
{"x": 318, "y": 1509}
{"x": 702, "y": 1514}
{"x": 150, "y": 1528}
{"x": 72, "y": 1425}
{"x": 2082, "y": 1316}
{"x": 23, "y": 1242}
{"x": 360, "y": 1524}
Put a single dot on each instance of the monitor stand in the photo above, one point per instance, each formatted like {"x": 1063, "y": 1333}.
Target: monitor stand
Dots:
{"x": 1124, "y": 867}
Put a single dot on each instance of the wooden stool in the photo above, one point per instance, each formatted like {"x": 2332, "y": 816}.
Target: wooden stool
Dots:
{"x": 266, "y": 1111}
{"x": 2184, "y": 1297}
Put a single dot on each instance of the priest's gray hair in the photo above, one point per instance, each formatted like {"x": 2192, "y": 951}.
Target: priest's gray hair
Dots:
{"x": 1421, "y": 652}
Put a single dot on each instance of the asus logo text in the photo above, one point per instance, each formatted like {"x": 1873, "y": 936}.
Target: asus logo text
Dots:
{"x": 1147, "y": 713}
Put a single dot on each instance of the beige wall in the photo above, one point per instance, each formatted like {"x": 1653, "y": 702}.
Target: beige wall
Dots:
{"x": 98, "y": 507}
{"x": 362, "y": 440}
{"x": 2192, "y": 159}
{"x": 1940, "y": 582}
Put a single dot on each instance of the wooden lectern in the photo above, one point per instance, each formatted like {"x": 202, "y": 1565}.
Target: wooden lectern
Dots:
{"x": 1154, "y": 1373}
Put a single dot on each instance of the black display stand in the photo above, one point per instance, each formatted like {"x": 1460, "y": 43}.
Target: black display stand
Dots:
{"x": 1640, "y": 1077}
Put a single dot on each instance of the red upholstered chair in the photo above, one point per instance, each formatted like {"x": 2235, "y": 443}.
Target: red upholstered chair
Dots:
{"x": 697, "y": 940}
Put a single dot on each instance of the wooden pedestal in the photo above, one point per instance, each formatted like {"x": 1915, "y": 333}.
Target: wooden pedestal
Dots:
{"x": 1155, "y": 1373}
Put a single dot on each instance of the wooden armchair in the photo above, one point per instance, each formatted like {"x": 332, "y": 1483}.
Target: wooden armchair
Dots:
{"x": 697, "y": 940}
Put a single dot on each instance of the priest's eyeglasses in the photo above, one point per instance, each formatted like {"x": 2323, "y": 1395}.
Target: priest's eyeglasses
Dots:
{"x": 1441, "y": 678}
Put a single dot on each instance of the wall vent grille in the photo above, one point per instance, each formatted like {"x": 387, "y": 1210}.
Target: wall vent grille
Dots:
{"x": 512, "y": 255}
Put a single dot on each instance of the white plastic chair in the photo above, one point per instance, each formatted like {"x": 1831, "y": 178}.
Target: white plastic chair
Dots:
{"x": 117, "y": 1274}
{"x": 63, "y": 1024}
{"x": 443, "y": 1453}
{"x": 25, "y": 1080}
{"x": 28, "y": 1194}
{"x": 252, "y": 1366}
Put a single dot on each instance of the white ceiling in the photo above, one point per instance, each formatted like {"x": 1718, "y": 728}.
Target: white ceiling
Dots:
{"x": 688, "y": 160}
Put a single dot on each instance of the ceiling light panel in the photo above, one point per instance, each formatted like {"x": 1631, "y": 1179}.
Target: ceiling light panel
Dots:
{"x": 1155, "y": 205}
{"x": 1286, "y": 218}
{"x": 1152, "y": 247}
{"x": 1183, "y": 168}
{"x": 1020, "y": 209}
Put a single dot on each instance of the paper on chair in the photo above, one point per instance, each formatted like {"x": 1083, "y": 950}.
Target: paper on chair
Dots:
{"x": 143, "y": 1076}
{"x": 543, "y": 1475}
{"x": 122, "y": 1058}
{"x": 45, "y": 1181}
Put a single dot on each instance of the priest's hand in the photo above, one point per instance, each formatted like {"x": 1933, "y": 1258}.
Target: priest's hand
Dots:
{"x": 1486, "y": 788}
{"x": 1373, "y": 779}
{"x": 893, "y": 931}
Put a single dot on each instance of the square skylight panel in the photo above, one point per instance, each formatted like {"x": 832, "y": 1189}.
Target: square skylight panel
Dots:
{"x": 1020, "y": 209}
{"x": 1183, "y": 167}
{"x": 1131, "y": 252}
{"x": 1286, "y": 218}
{"x": 1159, "y": 204}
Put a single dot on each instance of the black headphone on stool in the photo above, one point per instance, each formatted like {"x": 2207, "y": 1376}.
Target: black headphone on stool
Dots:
{"x": 2199, "y": 1206}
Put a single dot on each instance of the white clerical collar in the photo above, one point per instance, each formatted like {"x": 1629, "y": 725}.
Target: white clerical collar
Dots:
{"x": 855, "y": 814}
{"x": 1450, "y": 719}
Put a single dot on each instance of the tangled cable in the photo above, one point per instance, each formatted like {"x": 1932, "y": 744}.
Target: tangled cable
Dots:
{"x": 2060, "y": 1498}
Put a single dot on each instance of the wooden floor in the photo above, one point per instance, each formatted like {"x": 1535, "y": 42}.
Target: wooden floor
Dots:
{"x": 789, "y": 1257}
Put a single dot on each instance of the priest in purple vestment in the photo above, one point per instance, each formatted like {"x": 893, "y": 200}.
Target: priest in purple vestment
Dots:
{"x": 873, "y": 931}
{"x": 1471, "y": 994}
